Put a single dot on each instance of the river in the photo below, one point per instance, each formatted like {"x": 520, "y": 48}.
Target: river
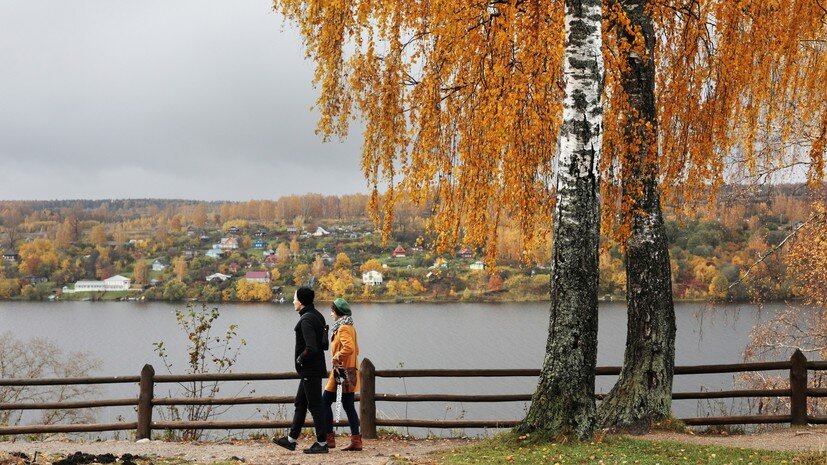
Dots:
{"x": 457, "y": 335}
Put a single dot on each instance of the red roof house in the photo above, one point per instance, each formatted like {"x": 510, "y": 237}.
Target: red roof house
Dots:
{"x": 399, "y": 251}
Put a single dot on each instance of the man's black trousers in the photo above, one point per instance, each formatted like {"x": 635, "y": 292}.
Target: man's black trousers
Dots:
{"x": 309, "y": 397}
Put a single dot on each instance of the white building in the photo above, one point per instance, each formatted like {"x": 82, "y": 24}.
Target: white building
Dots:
{"x": 115, "y": 283}
{"x": 478, "y": 265}
{"x": 158, "y": 266}
{"x": 372, "y": 278}
{"x": 218, "y": 277}
{"x": 320, "y": 231}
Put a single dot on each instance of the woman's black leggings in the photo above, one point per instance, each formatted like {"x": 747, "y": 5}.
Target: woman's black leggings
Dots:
{"x": 328, "y": 398}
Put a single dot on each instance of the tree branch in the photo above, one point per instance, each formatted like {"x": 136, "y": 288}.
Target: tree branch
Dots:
{"x": 772, "y": 251}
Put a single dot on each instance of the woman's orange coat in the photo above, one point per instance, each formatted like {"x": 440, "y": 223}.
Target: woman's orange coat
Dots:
{"x": 345, "y": 349}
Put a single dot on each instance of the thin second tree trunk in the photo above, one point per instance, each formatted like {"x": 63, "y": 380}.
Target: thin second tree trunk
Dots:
{"x": 643, "y": 392}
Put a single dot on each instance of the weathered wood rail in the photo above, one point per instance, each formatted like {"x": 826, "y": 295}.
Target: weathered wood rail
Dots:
{"x": 798, "y": 392}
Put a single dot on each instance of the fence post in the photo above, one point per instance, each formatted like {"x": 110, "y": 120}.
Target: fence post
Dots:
{"x": 367, "y": 399}
{"x": 798, "y": 389}
{"x": 145, "y": 402}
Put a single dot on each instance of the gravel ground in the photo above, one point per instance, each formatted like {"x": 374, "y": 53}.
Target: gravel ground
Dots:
{"x": 376, "y": 452}
{"x": 796, "y": 439}
{"x": 386, "y": 451}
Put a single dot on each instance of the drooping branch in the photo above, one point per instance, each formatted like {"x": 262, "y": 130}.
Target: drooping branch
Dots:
{"x": 816, "y": 217}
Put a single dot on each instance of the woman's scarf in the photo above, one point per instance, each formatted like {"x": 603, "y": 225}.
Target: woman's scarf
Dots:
{"x": 345, "y": 320}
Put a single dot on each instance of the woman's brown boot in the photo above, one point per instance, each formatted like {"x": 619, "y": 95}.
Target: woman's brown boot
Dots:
{"x": 355, "y": 442}
{"x": 331, "y": 440}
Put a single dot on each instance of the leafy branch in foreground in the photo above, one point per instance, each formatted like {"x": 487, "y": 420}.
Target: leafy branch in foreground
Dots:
{"x": 205, "y": 354}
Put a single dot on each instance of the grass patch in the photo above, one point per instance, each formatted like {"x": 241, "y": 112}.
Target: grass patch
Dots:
{"x": 613, "y": 450}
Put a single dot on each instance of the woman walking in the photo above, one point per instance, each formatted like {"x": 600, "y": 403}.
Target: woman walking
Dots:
{"x": 345, "y": 350}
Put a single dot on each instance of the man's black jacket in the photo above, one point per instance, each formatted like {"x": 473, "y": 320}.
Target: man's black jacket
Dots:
{"x": 309, "y": 334}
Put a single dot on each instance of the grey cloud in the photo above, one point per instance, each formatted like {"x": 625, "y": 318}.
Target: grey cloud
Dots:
{"x": 185, "y": 99}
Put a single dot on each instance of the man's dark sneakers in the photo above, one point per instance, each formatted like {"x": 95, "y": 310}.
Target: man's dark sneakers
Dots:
{"x": 316, "y": 448}
{"x": 284, "y": 442}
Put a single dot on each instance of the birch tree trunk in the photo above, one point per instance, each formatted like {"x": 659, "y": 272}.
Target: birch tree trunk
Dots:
{"x": 563, "y": 403}
{"x": 643, "y": 392}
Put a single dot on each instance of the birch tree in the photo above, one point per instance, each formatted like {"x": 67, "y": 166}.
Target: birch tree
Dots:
{"x": 700, "y": 91}
{"x": 462, "y": 105}
{"x": 564, "y": 402}
{"x": 643, "y": 392}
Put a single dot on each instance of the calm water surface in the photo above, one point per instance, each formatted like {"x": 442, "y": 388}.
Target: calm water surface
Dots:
{"x": 508, "y": 335}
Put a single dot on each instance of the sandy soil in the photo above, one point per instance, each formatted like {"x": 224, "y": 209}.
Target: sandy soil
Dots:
{"x": 376, "y": 452}
{"x": 806, "y": 438}
{"x": 385, "y": 451}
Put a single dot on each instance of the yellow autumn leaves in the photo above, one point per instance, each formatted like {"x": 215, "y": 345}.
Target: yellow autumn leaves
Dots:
{"x": 462, "y": 101}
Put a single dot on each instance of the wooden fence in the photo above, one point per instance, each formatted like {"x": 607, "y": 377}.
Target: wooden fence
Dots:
{"x": 798, "y": 392}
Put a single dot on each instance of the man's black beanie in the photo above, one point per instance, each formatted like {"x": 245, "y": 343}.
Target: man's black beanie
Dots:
{"x": 305, "y": 295}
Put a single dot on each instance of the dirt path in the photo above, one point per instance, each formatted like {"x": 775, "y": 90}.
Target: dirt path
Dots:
{"x": 377, "y": 452}
{"x": 804, "y": 439}
{"x": 386, "y": 451}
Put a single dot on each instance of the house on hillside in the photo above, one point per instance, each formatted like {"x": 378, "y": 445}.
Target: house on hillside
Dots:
{"x": 292, "y": 230}
{"x": 327, "y": 259}
{"x": 399, "y": 252}
{"x": 260, "y": 244}
{"x": 234, "y": 267}
{"x": 372, "y": 278}
{"x": 320, "y": 231}
{"x": 261, "y": 232}
{"x": 33, "y": 280}
{"x": 271, "y": 260}
{"x": 228, "y": 243}
{"x": 477, "y": 265}
{"x": 11, "y": 256}
{"x": 215, "y": 253}
{"x": 114, "y": 283}
{"x": 466, "y": 253}
{"x": 157, "y": 265}
{"x": 233, "y": 230}
{"x": 258, "y": 276}
{"x": 215, "y": 277}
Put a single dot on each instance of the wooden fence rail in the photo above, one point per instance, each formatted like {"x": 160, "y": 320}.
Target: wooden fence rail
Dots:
{"x": 798, "y": 392}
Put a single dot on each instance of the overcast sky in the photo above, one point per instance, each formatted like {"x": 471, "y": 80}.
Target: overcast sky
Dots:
{"x": 195, "y": 99}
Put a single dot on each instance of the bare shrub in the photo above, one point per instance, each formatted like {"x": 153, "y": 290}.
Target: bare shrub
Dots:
{"x": 801, "y": 326}
{"x": 205, "y": 354}
{"x": 42, "y": 358}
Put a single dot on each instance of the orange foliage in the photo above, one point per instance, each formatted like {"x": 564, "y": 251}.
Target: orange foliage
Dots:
{"x": 462, "y": 101}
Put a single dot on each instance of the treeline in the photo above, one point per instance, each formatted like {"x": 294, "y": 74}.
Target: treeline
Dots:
{"x": 194, "y": 212}
{"x": 711, "y": 245}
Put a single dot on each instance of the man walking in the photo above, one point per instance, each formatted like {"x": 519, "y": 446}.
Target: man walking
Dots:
{"x": 310, "y": 365}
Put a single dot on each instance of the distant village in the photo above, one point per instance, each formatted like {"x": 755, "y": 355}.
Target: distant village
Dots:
{"x": 261, "y": 251}
{"x": 255, "y": 263}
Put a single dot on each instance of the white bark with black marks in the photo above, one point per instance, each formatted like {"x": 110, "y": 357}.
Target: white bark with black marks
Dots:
{"x": 564, "y": 401}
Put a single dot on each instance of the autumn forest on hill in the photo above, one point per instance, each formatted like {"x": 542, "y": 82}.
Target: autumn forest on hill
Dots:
{"x": 722, "y": 250}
